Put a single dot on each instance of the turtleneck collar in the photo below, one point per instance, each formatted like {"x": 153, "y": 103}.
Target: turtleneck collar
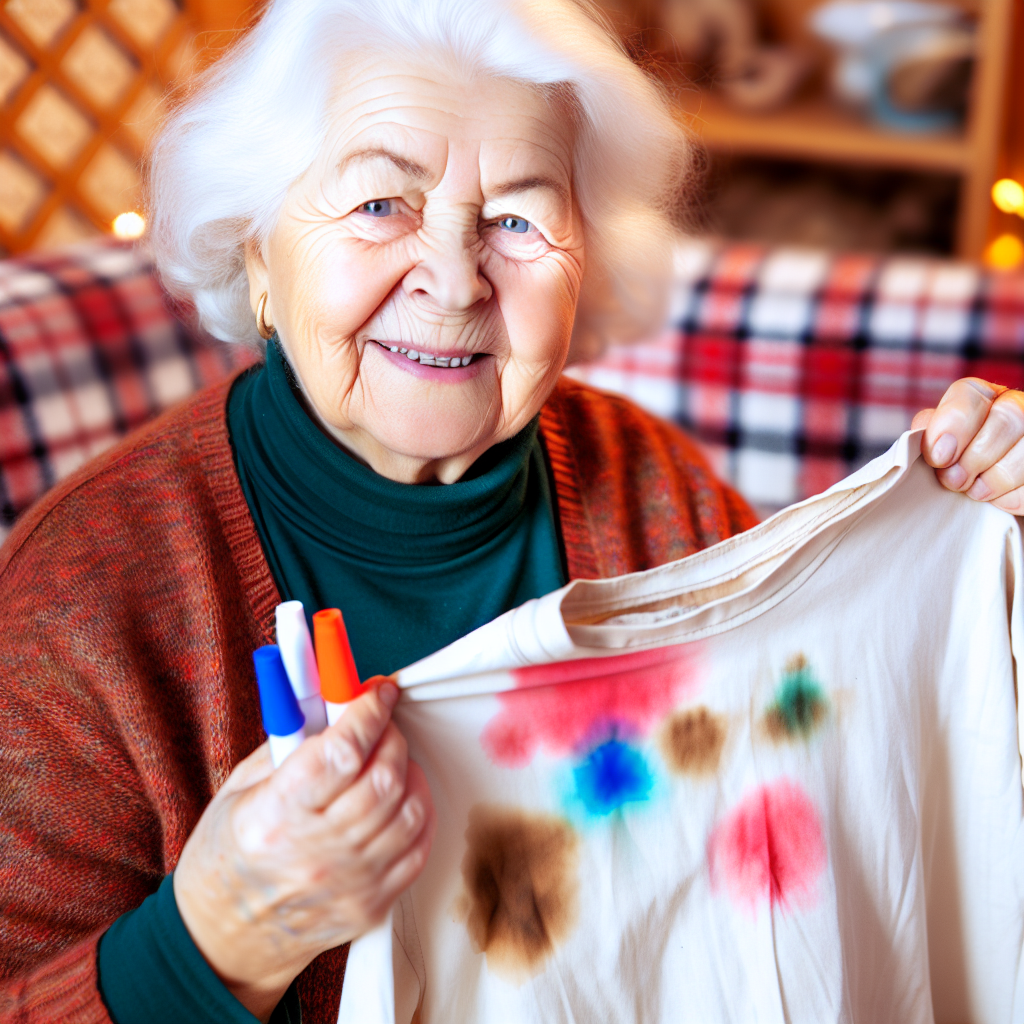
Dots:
{"x": 329, "y": 494}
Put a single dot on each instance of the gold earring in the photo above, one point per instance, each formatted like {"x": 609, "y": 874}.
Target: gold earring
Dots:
{"x": 266, "y": 330}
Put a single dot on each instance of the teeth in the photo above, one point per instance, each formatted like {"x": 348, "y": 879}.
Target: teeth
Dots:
{"x": 425, "y": 359}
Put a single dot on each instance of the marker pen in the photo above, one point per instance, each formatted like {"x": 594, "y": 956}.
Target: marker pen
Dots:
{"x": 339, "y": 680}
{"x": 282, "y": 718}
{"x": 300, "y": 664}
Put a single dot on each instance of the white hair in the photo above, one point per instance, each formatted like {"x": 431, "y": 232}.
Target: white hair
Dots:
{"x": 256, "y": 120}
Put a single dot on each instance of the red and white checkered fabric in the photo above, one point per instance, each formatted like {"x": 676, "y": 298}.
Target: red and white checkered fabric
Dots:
{"x": 88, "y": 351}
{"x": 794, "y": 367}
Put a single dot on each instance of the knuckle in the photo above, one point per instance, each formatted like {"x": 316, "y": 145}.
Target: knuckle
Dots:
{"x": 254, "y": 834}
{"x": 1009, "y": 415}
{"x": 412, "y": 813}
{"x": 341, "y": 755}
{"x": 384, "y": 781}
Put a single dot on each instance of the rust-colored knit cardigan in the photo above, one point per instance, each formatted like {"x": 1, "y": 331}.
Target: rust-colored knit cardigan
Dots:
{"x": 131, "y": 599}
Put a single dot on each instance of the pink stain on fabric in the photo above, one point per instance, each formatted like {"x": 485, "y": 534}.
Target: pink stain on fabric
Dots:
{"x": 769, "y": 847}
{"x": 563, "y": 707}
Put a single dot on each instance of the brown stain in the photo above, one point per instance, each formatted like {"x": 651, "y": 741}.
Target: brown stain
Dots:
{"x": 521, "y": 891}
{"x": 692, "y": 741}
{"x": 774, "y": 726}
{"x": 777, "y": 728}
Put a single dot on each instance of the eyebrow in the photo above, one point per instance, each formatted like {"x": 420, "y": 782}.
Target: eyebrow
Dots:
{"x": 508, "y": 188}
{"x": 406, "y": 166}
{"x": 415, "y": 170}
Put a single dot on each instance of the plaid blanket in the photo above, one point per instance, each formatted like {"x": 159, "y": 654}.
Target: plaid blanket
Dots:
{"x": 88, "y": 350}
{"x": 792, "y": 367}
{"x": 795, "y": 367}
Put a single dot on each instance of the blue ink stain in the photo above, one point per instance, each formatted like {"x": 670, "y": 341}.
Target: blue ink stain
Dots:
{"x": 613, "y": 774}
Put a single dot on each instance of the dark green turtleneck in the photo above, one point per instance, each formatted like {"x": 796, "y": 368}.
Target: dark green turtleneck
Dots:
{"x": 412, "y": 566}
{"x": 412, "y": 569}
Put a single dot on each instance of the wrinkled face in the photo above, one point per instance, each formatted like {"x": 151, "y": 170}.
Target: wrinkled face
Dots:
{"x": 424, "y": 272}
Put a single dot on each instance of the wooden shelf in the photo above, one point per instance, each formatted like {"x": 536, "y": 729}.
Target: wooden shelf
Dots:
{"x": 817, "y": 130}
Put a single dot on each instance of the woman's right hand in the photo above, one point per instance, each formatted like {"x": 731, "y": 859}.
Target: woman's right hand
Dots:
{"x": 286, "y": 864}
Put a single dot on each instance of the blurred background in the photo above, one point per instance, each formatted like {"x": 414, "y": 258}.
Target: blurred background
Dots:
{"x": 853, "y": 125}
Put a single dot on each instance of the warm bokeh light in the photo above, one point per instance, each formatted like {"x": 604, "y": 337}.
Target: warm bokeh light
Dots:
{"x": 129, "y": 225}
{"x": 1005, "y": 253}
{"x": 1008, "y": 195}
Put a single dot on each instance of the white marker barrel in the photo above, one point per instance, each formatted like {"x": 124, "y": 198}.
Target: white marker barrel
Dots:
{"x": 334, "y": 711}
{"x": 316, "y": 714}
{"x": 282, "y": 746}
{"x": 300, "y": 663}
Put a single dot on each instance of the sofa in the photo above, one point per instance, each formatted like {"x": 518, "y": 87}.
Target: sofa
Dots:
{"x": 795, "y": 367}
{"x": 791, "y": 367}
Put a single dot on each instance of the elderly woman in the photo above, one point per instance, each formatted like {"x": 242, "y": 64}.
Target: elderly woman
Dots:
{"x": 423, "y": 206}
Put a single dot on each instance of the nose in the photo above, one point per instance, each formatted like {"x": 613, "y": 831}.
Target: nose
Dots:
{"x": 448, "y": 278}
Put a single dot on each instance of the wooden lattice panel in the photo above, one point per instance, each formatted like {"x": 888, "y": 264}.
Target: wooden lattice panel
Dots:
{"x": 82, "y": 88}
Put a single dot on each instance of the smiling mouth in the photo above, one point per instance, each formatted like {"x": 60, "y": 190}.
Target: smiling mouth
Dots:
{"x": 426, "y": 358}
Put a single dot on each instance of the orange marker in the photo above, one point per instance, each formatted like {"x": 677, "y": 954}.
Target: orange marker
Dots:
{"x": 339, "y": 680}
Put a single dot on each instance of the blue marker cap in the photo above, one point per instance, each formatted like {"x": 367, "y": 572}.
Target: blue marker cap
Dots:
{"x": 281, "y": 714}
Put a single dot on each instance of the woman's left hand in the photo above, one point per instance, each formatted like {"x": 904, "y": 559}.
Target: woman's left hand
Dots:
{"x": 975, "y": 439}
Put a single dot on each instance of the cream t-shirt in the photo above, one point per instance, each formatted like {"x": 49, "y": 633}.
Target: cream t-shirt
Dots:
{"x": 779, "y": 780}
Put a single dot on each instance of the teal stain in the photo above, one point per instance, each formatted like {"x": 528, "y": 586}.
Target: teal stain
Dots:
{"x": 800, "y": 705}
{"x": 613, "y": 774}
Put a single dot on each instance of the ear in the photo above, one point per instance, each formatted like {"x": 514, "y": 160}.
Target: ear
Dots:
{"x": 259, "y": 278}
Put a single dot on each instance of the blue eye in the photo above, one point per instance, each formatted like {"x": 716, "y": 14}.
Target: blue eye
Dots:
{"x": 377, "y": 207}
{"x": 516, "y": 224}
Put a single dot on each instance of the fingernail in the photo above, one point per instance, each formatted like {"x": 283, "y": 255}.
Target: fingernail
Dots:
{"x": 388, "y": 694}
{"x": 944, "y": 449}
{"x": 955, "y": 476}
{"x": 979, "y": 490}
{"x": 983, "y": 389}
